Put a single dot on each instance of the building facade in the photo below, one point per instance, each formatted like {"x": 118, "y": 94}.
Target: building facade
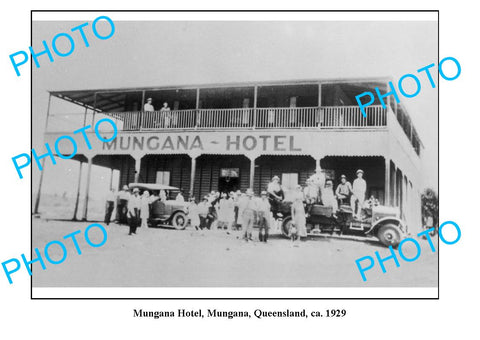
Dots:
{"x": 234, "y": 136}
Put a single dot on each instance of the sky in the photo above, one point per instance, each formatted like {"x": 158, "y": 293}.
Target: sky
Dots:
{"x": 158, "y": 53}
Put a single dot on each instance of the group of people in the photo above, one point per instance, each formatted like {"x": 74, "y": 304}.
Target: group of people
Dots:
{"x": 319, "y": 189}
{"x": 234, "y": 211}
{"x": 166, "y": 118}
{"x": 242, "y": 210}
{"x": 132, "y": 208}
{"x": 148, "y": 107}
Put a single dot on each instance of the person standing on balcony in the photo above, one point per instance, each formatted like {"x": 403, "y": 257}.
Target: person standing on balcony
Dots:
{"x": 148, "y": 107}
{"x": 165, "y": 110}
{"x": 359, "y": 189}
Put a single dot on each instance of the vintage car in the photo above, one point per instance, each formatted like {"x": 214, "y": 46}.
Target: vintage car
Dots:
{"x": 379, "y": 222}
{"x": 167, "y": 213}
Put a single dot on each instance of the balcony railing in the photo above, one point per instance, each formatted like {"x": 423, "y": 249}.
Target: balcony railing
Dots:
{"x": 249, "y": 118}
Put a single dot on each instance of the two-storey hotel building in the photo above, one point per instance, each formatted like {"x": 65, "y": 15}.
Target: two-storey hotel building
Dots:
{"x": 234, "y": 136}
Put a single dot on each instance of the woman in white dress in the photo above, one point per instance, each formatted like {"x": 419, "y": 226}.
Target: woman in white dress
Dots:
{"x": 299, "y": 218}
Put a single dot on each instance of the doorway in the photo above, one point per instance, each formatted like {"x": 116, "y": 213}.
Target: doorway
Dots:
{"x": 229, "y": 180}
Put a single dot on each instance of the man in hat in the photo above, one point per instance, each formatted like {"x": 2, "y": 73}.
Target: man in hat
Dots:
{"x": 275, "y": 194}
{"x": 134, "y": 211}
{"x": 148, "y": 107}
{"x": 263, "y": 217}
{"x": 359, "y": 189}
{"x": 122, "y": 207}
{"x": 248, "y": 209}
{"x": 344, "y": 190}
{"x": 318, "y": 180}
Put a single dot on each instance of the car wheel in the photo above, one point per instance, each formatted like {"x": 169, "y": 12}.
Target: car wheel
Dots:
{"x": 286, "y": 226}
{"x": 389, "y": 235}
{"x": 179, "y": 220}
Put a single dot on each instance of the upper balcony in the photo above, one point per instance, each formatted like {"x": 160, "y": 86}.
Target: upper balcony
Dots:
{"x": 249, "y": 118}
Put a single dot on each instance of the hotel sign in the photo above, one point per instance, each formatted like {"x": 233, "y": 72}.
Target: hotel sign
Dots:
{"x": 256, "y": 142}
{"x": 228, "y": 143}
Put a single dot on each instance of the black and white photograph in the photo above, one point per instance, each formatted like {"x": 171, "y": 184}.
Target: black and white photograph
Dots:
{"x": 227, "y": 152}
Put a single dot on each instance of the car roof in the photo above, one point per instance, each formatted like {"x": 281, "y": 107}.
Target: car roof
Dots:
{"x": 151, "y": 186}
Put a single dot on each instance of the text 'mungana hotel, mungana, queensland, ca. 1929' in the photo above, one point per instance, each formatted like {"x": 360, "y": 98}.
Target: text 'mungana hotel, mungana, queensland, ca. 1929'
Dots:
{"x": 234, "y": 136}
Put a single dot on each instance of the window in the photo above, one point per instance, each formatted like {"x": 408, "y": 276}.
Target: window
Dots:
{"x": 163, "y": 177}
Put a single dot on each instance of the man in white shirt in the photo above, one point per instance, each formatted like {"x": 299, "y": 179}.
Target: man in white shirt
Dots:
{"x": 148, "y": 107}
{"x": 359, "y": 189}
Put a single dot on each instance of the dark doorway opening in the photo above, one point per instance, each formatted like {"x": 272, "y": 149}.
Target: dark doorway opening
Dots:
{"x": 227, "y": 184}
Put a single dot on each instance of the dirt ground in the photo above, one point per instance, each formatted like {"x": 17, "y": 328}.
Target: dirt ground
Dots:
{"x": 189, "y": 258}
